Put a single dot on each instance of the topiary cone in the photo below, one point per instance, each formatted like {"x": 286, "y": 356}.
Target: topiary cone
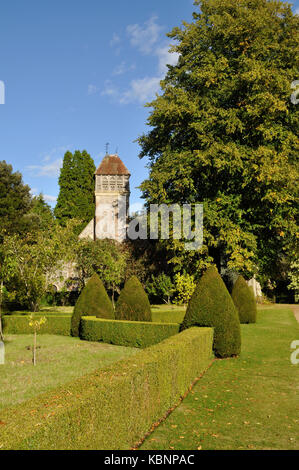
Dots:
{"x": 244, "y": 301}
{"x": 133, "y": 303}
{"x": 211, "y": 305}
{"x": 93, "y": 301}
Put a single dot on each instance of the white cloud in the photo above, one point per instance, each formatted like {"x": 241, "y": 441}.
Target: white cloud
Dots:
{"x": 51, "y": 162}
{"x": 144, "y": 89}
{"x": 115, "y": 40}
{"x": 165, "y": 57}
{"x": 297, "y": 11}
{"x": 110, "y": 89}
{"x": 123, "y": 68}
{"x": 141, "y": 90}
{"x": 34, "y": 192}
{"x": 48, "y": 169}
{"x": 146, "y": 36}
{"x": 92, "y": 89}
{"x": 49, "y": 198}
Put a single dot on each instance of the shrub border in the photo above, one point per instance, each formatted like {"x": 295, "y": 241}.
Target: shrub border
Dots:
{"x": 55, "y": 325}
{"x": 126, "y": 333}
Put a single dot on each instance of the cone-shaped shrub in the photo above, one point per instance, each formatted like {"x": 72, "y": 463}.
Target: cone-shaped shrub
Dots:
{"x": 93, "y": 301}
{"x": 133, "y": 303}
{"x": 211, "y": 305}
{"x": 244, "y": 301}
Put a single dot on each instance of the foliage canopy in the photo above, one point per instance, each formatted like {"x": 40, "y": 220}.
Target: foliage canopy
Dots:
{"x": 76, "y": 195}
{"x": 225, "y": 132}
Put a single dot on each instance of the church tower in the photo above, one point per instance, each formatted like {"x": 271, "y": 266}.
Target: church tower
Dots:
{"x": 112, "y": 193}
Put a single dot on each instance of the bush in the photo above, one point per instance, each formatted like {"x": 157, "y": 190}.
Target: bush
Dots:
{"x": 93, "y": 301}
{"x": 112, "y": 408}
{"x": 19, "y": 325}
{"x": 161, "y": 287}
{"x": 211, "y": 305}
{"x": 185, "y": 285}
{"x": 133, "y": 303}
{"x": 244, "y": 301}
{"x": 126, "y": 333}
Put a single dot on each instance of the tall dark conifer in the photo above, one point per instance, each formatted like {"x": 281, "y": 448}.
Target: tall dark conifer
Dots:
{"x": 76, "y": 182}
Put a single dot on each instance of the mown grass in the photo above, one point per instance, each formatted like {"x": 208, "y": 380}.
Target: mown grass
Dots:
{"x": 168, "y": 313}
{"x": 64, "y": 311}
{"x": 160, "y": 313}
{"x": 59, "y": 360}
{"x": 246, "y": 403}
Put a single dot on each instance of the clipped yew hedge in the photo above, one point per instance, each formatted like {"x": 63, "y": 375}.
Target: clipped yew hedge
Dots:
{"x": 211, "y": 305}
{"x": 111, "y": 408}
{"x": 126, "y": 333}
{"x": 133, "y": 303}
{"x": 19, "y": 324}
{"x": 244, "y": 301}
{"x": 93, "y": 301}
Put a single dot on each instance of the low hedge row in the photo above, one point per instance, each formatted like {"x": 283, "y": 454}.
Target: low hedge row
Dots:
{"x": 55, "y": 325}
{"x": 125, "y": 333}
{"x": 111, "y": 408}
{"x": 168, "y": 316}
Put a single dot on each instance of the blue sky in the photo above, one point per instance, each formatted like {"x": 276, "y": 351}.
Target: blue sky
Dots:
{"x": 77, "y": 74}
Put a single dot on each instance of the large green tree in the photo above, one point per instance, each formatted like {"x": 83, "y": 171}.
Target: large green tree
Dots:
{"x": 15, "y": 200}
{"x": 76, "y": 195}
{"x": 29, "y": 263}
{"x": 225, "y": 132}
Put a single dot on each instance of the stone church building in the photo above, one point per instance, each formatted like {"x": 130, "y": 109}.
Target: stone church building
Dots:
{"x": 112, "y": 195}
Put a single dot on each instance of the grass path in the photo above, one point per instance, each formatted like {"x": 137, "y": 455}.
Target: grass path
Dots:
{"x": 59, "y": 360}
{"x": 251, "y": 402}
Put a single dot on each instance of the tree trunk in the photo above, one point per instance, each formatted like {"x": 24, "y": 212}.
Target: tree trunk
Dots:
{"x": 113, "y": 298}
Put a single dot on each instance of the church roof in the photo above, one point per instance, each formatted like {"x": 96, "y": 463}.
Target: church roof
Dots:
{"x": 112, "y": 165}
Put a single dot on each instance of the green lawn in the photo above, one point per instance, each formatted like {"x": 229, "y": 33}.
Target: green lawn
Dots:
{"x": 59, "y": 360}
{"x": 160, "y": 313}
{"x": 245, "y": 403}
{"x": 168, "y": 313}
{"x": 64, "y": 311}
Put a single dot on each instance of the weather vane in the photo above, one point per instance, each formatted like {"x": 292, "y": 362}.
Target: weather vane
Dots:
{"x": 107, "y": 148}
